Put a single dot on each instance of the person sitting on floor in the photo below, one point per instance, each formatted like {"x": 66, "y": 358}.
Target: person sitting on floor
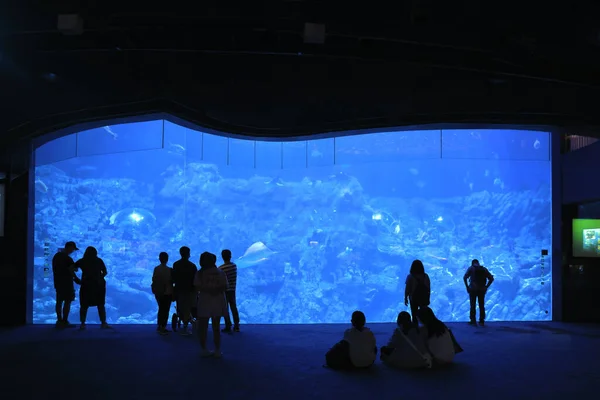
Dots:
{"x": 438, "y": 338}
{"x": 406, "y": 348}
{"x": 358, "y": 348}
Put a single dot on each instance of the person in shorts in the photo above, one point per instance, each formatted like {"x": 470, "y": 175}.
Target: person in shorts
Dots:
{"x": 63, "y": 271}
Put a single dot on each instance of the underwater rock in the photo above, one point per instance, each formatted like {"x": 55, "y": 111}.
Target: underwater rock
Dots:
{"x": 339, "y": 246}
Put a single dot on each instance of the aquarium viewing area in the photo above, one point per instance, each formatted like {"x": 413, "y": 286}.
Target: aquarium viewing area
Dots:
{"x": 318, "y": 228}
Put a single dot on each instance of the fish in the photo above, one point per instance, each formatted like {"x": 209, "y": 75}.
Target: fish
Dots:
{"x": 110, "y": 132}
{"x": 443, "y": 260}
{"x": 175, "y": 148}
{"x": 257, "y": 253}
{"x": 275, "y": 181}
{"x": 40, "y": 186}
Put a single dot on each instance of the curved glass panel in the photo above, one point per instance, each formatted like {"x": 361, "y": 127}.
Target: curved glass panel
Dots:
{"x": 120, "y": 138}
{"x": 56, "y": 150}
{"x": 317, "y": 228}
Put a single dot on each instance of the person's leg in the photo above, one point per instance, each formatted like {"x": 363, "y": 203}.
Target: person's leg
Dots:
{"x": 481, "y": 302}
{"x": 184, "y": 307}
{"x": 202, "y": 325}
{"x": 414, "y": 311}
{"x": 83, "y": 310}
{"x": 158, "y": 315}
{"x": 164, "y": 307}
{"x": 65, "y": 311}
{"x": 163, "y": 313}
{"x": 234, "y": 310}
{"x": 216, "y": 325}
{"x": 59, "y": 306}
{"x": 102, "y": 314}
{"x": 227, "y": 317}
{"x": 472, "y": 298}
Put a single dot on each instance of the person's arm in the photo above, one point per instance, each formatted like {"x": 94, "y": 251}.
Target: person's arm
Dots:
{"x": 72, "y": 268}
{"x": 466, "y": 278}
{"x": 374, "y": 342}
{"x": 407, "y": 289}
{"x": 174, "y": 273}
{"x": 103, "y": 269}
{"x": 224, "y": 281}
{"x": 490, "y": 279}
{"x": 154, "y": 282}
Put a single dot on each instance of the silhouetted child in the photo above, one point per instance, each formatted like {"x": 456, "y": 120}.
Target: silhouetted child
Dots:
{"x": 406, "y": 348}
{"x": 358, "y": 348}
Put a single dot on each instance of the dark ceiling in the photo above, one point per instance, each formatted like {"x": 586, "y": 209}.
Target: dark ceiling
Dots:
{"x": 242, "y": 67}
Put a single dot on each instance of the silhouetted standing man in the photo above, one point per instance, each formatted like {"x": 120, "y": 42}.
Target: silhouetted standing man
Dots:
{"x": 63, "y": 271}
{"x": 230, "y": 270}
{"x": 477, "y": 280}
{"x": 184, "y": 272}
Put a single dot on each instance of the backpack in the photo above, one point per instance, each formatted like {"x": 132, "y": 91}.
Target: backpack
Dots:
{"x": 421, "y": 294}
{"x": 479, "y": 277}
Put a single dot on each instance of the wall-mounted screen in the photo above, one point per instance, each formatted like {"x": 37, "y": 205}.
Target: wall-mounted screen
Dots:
{"x": 586, "y": 238}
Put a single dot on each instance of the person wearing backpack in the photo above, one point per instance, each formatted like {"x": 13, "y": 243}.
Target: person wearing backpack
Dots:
{"x": 417, "y": 290}
{"x": 477, "y": 281}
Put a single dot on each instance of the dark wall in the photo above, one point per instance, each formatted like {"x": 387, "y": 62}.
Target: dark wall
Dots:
{"x": 557, "y": 234}
{"x": 581, "y": 181}
{"x": 581, "y": 276}
{"x": 15, "y": 287}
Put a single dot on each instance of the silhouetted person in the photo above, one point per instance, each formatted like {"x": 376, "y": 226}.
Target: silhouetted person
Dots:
{"x": 417, "y": 290}
{"x": 184, "y": 272}
{"x": 439, "y": 340}
{"x": 93, "y": 286}
{"x": 162, "y": 288}
{"x": 230, "y": 270}
{"x": 358, "y": 348}
{"x": 406, "y": 348}
{"x": 211, "y": 284}
{"x": 63, "y": 271}
{"x": 477, "y": 281}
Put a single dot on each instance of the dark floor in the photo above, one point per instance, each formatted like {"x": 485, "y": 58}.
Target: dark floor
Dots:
{"x": 500, "y": 361}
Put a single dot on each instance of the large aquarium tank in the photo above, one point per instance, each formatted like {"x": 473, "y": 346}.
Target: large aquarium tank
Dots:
{"x": 318, "y": 228}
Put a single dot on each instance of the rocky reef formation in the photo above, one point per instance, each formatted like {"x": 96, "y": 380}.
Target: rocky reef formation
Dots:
{"x": 331, "y": 248}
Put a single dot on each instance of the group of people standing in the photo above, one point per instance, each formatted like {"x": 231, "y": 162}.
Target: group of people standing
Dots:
{"x": 417, "y": 292}
{"x": 207, "y": 294}
{"x": 93, "y": 285}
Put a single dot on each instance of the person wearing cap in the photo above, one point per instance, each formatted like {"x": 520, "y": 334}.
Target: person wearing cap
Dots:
{"x": 63, "y": 271}
{"x": 477, "y": 281}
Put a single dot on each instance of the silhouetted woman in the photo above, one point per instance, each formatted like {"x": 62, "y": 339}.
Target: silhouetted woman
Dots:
{"x": 211, "y": 284}
{"x": 93, "y": 285}
{"x": 438, "y": 338}
{"x": 417, "y": 290}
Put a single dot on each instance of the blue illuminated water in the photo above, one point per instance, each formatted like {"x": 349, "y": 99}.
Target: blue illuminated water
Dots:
{"x": 325, "y": 227}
